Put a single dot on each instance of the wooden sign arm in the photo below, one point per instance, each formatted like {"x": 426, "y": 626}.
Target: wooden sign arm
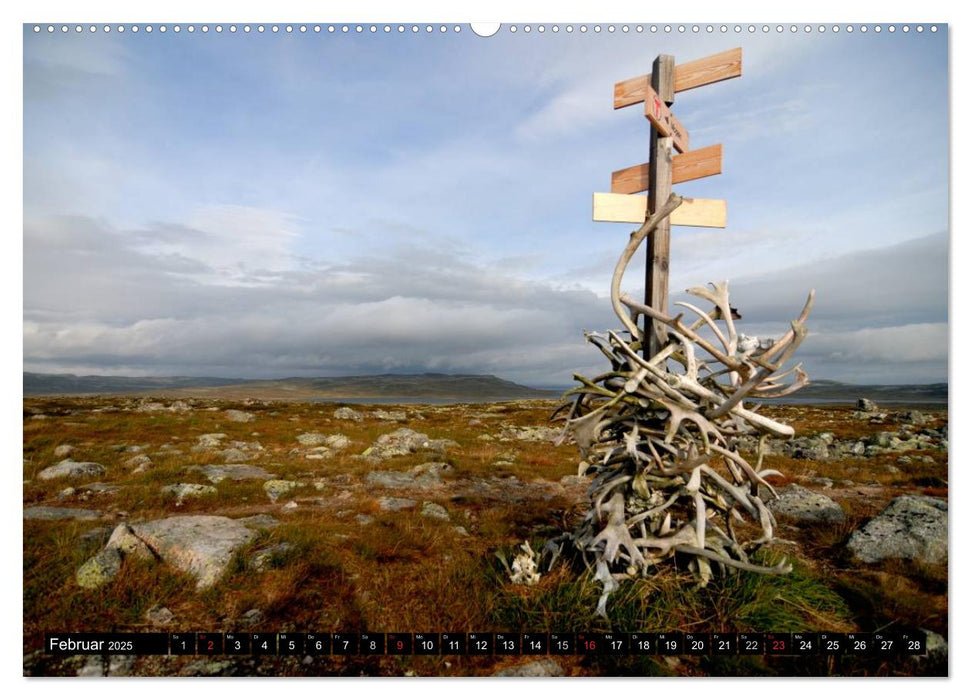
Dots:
{"x": 636, "y": 238}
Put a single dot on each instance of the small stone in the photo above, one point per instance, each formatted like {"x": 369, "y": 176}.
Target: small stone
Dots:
{"x": 268, "y": 557}
{"x": 234, "y": 454}
{"x": 290, "y": 505}
{"x": 66, "y": 493}
{"x": 159, "y": 615}
{"x": 185, "y": 491}
{"x": 239, "y": 416}
{"x": 391, "y": 480}
{"x": 261, "y": 521}
{"x": 210, "y": 440}
{"x": 234, "y": 472}
{"x": 395, "y": 504}
{"x": 544, "y": 668}
{"x": 389, "y": 415}
{"x": 461, "y": 530}
{"x": 866, "y": 406}
{"x": 138, "y": 461}
{"x": 279, "y": 487}
{"x": 71, "y": 469}
{"x": 252, "y": 617}
{"x": 205, "y": 667}
{"x": 63, "y": 450}
{"x": 804, "y": 505}
{"x": 363, "y": 519}
{"x": 347, "y": 413}
{"x": 311, "y": 439}
{"x": 52, "y": 513}
{"x": 434, "y": 510}
{"x": 337, "y": 441}
{"x": 99, "y": 569}
{"x": 117, "y": 665}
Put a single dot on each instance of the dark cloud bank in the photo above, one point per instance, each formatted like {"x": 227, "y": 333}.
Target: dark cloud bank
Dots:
{"x": 98, "y": 301}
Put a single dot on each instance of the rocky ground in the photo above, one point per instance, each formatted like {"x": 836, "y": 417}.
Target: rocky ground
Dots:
{"x": 204, "y": 515}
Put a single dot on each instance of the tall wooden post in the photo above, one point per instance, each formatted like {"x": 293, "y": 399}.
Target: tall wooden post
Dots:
{"x": 659, "y": 189}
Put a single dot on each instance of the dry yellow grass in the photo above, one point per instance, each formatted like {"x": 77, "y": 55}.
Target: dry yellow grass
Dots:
{"x": 402, "y": 571}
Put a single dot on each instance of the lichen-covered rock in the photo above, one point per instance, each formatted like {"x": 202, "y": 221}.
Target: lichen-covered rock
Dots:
{"x": 202, "y": 546}
{"x": 238, "y": 416}
{"x": 234, "y": 472}
{"x": 279, "y": 487}
{"x": 544, "y": 668}
{"x": 265, "y": 558}
{"x": 394, "y": 504}
{"x": 63, "y": 450}
{"x": 911, "y": 527}
{"x": 124, "y": 540}
{"x": 99, "y": 569}
{"x": 68, "y": 468}
{"x": 311, "y": 439}
{"x": 540, "y": 433}
{"x": 433, "y": 510}
{"x": 209, "y": 441}
{"x": 260, "y": 521}
{"x": 159, "y": 615}
{"x": 138, "y": 461}
{"x": 388, "y": 415}
{"x": 348, "y": 413}
{"x": 405, "y": 441}
{"x": 186, "y": 491}
{"x": 52, "y": 513}
{"x": 805, "y": 505}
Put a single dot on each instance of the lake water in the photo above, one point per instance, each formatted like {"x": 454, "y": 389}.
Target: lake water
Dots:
{"x": 426, "y": 400}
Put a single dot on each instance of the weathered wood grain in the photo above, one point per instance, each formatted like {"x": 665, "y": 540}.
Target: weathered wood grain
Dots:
{"x": 704, "y": 71}
{"x": 693, "y": 165}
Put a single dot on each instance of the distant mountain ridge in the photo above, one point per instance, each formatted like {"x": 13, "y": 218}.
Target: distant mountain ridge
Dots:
{"x": 382, "y": 385}
{"x": 823, "y": 389}
{"x": 429, "y": 385}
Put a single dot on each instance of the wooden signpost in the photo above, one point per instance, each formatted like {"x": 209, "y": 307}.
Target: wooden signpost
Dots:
{"x": 624, "y": 204}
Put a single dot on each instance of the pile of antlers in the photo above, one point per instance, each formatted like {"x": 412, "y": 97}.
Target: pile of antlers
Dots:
{"x": 659, "y": 435}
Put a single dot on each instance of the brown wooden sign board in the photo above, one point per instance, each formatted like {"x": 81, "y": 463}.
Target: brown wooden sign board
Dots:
{"x": 666, "y": 123}
{"x": 632, "y": 209}
{"x": 692, "y": 165}
{"x": 704, "y": 71}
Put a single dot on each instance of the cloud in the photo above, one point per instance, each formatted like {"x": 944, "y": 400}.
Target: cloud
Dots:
{"x": 98, "y": 298}
{"x": 575, "y": 109}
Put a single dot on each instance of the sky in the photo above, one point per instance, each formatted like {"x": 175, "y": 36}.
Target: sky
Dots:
{"x": 317, "y": 204}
